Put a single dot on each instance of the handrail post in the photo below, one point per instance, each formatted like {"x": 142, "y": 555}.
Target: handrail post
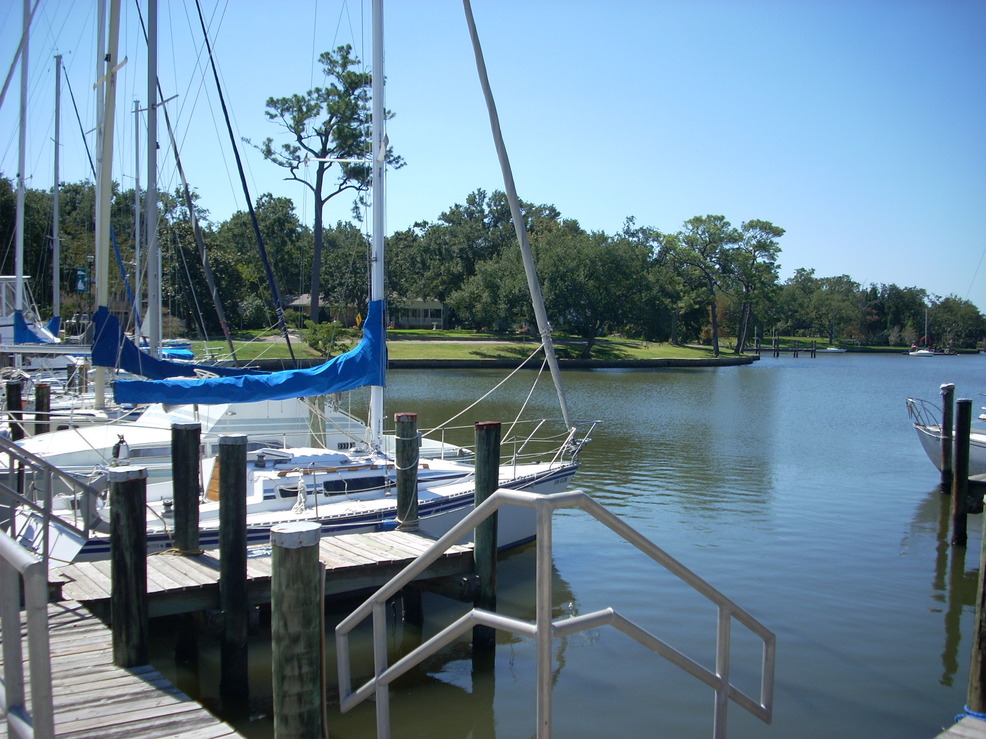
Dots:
{"x": 542, "y": 616}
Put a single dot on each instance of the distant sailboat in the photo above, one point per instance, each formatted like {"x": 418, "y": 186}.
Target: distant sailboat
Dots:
{"x": 925, "y": 350}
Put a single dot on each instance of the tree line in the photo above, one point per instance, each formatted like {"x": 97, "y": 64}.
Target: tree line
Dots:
{"x": 709, "y": 282}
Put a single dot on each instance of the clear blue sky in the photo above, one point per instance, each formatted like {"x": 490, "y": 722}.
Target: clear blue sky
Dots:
{"x": 859, "y": 127}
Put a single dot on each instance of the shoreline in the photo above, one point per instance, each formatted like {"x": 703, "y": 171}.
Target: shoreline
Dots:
{"x": 573, "y": 364}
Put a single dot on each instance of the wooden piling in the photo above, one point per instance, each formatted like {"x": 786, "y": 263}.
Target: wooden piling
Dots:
{"x": 233, "y": 603}
{"x": 128, "y": 565}
{"x": 485, "y": 549}
{"x": 14, "y": 415}
{"x": 947, "y": 423}
{"x": 297, "y": 578}
{"x": 976, "y": 691}
{"x": 185, "y": 440}
{"x": 407, "y": 470}
{"x": 960, "y": 478}
{"x": 42, "y": 408}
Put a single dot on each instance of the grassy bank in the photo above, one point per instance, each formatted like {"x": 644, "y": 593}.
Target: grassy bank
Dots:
{"x": 449, "y": 346}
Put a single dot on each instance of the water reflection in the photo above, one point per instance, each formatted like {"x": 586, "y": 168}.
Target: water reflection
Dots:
{"x": 953, "y": 585}
{"x": 463, "y": 684}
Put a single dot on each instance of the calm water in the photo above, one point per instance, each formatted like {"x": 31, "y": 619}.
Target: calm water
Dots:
{"x": 795, "y": 486}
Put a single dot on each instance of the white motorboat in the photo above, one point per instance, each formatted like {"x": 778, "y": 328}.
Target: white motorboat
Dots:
{"x": 925, "y": 417}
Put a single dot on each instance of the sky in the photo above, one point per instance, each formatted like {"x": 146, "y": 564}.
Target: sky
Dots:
{"x": 859, "y": 127}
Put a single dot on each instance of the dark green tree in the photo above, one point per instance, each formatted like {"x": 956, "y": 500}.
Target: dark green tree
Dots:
{"x": 705, "y": 250}
{"x": 328, "y": 134}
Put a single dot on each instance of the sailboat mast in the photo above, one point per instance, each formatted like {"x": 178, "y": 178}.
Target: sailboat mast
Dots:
{"x": 138, "y": 287}
{"x": 21, "y": 164}
{"x": 150, "y": 197}
{"x": 518, "y": 218}
{"x": 56, "y": 247}
{"x": 105, "y": 179}
{"x": 379, "y": 154}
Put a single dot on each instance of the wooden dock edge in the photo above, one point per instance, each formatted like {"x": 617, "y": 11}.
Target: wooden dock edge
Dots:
{"x": 93, "y": 697}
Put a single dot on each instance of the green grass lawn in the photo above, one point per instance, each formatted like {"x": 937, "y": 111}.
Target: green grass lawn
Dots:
{"x": 451, "y": 346}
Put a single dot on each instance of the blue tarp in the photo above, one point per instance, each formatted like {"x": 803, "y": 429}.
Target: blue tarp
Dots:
{"x": 111, "y": 348}
{"x": 364, "y": 365}
{"x": 24, "y": 334}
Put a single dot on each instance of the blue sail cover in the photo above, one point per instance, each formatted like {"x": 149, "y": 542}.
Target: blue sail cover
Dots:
{"x": 111, "y": 348}
{"x": 24, "y": 334}
{"x": 363, "y": 365}
{"x": 54, "y": 325}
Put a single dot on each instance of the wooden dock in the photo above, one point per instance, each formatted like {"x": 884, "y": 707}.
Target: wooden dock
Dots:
{"x": 93, "y": 698}
{"x": 184, "y": 583}
{"x": 967, "y": 728}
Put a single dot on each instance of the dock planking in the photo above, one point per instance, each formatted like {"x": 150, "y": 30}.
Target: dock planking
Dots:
{"x": 92, "y": 697}
{"x": 182, "y": 583}
{"x": 967, "y": 728}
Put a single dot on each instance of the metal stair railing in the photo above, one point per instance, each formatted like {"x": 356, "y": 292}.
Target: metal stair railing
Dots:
{"x": 27, "y": 484}
{"x": 16, "y": 563}
{"x": 544, "y": 630}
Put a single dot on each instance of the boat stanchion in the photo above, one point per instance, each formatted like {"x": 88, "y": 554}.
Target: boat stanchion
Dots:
{"x": 407, "y": 470}
{"x": 128, "y": 565}
{"x": 297, "y": 584}
{"x": 960, "y": 469}
{"x": 234, "y": 685}
{"x": 42, "y": 408}
{"x": 484, "y": 551}
{"x": 186, "y": 492}
{"x": 947, "y": 423}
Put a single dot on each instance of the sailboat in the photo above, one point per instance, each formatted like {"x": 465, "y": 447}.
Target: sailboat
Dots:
{"x": 925, "y": 350}
{"x": 345, "y": 489}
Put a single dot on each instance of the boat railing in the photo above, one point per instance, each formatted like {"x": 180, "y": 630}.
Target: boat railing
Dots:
{"x": 17, "y": 566}
{"x": 27, "y": 486}
{"x": 923, "y": 412}
{"x": 544, "y": 630}
{"x": 538, "y": 444}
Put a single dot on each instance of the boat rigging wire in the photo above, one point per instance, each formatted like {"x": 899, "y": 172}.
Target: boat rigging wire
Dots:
{"x": 278, "y": 308}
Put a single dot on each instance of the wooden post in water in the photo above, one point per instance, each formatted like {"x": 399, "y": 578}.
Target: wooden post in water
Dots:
{"x": 947, "y": 424}
{"x": 128, "y": 565}
{"x": 297, "y": 581}
{"x": 233, "y": 603}
{"x": 407, "y": 470}
{"x": 976, "y": 693}
{"x": 14, "y": 407}
{"x": 185, "y": 438}
{"x": 960, "y": 479}
{"x": 42, "y": 408}
{"x": 484, "y": 552}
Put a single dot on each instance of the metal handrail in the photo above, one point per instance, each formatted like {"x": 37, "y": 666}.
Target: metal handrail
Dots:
{"x": 923, "y": 412}
{"x": 544, "y": 630}
{"x": 34, "y": 472}
{"x": 16, "y": 563}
